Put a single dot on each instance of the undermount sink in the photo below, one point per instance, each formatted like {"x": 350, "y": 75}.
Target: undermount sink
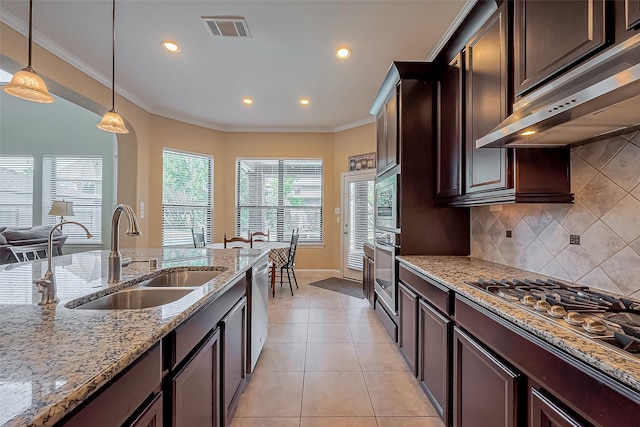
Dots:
{"x": 179, "y": 279}
{"x": 131, "y": 299}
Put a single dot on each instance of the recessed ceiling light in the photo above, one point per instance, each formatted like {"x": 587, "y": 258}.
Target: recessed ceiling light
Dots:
{"x": 171, "y": 46}
{"x": 343, "y": 53}
{"x": 304, "y": 101}
{"x": 247, "y": 100}
{"x": 528, "y": 132}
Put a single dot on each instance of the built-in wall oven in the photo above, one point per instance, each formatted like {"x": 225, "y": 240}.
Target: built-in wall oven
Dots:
{"x": 386, "y": 247}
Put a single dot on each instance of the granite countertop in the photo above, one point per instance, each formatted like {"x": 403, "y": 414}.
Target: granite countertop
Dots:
{"x": 453, "y": 271}
{"x": 53, "y": 357}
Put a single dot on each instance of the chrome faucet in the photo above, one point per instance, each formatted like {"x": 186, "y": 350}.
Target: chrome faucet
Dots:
{"x": 47, "y": 284}
{"x": 115, "y": 259}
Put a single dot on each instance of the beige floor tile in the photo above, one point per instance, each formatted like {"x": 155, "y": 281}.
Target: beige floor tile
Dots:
{"x": 407, "y": 398}
{"x": 291, "y": 302}
{"x": 287, "y": 332}
{"x": 282, "y": 357}
{"x": 338, "y": 422}
{"x": 325, "y": 302}
{"x": 331, "y": 357}
{"x": 290, "y": 315}
{"x": 380, "y": 357}
{"x": 353, "y": 302}
{"x": 272, "y": 395}
{"x": 329, "y": 332}
{"x": 410, "y": 422}
{"x": 335, "y": 394}
{"x": 316, "y": 292}
{"x": 265, "y": 422}
{"x": 327, "y": 315}
{"x": 361, "y": 315}
{"x": 369, "y": 332}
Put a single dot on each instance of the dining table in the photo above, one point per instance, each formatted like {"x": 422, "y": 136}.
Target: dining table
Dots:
{"x": 278, "y": 256}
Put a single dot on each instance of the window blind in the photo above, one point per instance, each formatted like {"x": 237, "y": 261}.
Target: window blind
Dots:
{"x": 16, "y": 191}
{"x": 360, "y": 220}
{"x": 187, "y": 196}
{"x": 280, "y": 196}
{"x": 78, "y": 180}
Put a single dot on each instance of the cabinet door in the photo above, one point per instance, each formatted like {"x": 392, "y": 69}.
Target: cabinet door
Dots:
{"x": 632, "y": 13}
{"x": 391, "y": 108}
{"x": 370, "y": 274}
{"x": 449, "y": 142}
{"x": 233, "y": 355}
{"x": 152, "y": 415}
{"x": 551, "y": 35}
{"x": 408, "y": 337}
{"x": 196, "y": 387}
{"x": 543, "y": 412}
{"x": 484, "y": 388}
{"x": 434, "y": 356}
{"x": 381, "y": 139}
{"x": 487, "y": 95}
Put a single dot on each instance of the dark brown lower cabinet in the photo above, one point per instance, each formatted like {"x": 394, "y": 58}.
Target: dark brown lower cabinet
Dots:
{"x": 434, "y": 341}
{"x": 234, "y": 329}
{"x": 408, "y": 325}
{"x": 368, "y": 274}
{"x": 152, "y": 414}
{"x": 196, "y": 387}
{"x": 484, "y": 387}
{"x": 544, "y": 412}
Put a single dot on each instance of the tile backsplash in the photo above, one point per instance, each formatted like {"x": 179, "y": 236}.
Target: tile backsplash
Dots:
{"x": 605, "y": 178}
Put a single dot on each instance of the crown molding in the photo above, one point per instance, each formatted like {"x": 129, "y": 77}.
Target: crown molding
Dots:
{"x": 452, "y": 28}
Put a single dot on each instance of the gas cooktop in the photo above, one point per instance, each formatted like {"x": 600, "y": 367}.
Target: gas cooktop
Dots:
{"x": 611, "y": 319}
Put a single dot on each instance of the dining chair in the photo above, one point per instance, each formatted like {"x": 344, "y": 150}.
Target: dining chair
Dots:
{"x": 237, "y": 242}
{"x": 30, "y": 252}
{"x": 198, "y": 237}
{"x": 259, "y": 236}
{"x": 291, "y": 261}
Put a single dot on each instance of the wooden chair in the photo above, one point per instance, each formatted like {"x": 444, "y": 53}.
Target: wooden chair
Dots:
{"x": 237, "y": 242}
{"x": 198, "y": 237}
{"x": 31, "y": 252}
{"x": 291, "y": 261}
{"x": 259, "y": 236}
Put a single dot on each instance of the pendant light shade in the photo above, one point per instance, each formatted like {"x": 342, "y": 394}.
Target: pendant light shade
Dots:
{"x": 112, "y": 121}
{"x": 26, "y": 84}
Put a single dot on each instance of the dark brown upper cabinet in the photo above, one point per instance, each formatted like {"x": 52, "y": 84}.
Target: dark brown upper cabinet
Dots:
{"x": 387, "y": 132}
{"x": 632, "y": 13}
{"x": 487, "y": 96}
{"x": 551, "y": 36}
{"x": 449, "y": 147}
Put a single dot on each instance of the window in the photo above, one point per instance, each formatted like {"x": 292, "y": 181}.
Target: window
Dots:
{"x": 78, "y": 180}
{"x": 187, "y": 196}
{"x": 280, "y": 196}
{"x": 16, "y": 191}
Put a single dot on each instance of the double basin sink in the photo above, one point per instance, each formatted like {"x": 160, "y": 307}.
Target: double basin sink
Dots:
{"x": 165, "y": 288}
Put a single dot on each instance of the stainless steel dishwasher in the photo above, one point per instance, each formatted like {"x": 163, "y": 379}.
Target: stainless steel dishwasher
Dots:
{"x": 259, "y": 309}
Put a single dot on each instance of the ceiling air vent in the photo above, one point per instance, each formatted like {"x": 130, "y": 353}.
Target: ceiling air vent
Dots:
{"x": 227, "y": 26}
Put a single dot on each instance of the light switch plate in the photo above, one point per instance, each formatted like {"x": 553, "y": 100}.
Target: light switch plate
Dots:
{"x": 337, "y": 211}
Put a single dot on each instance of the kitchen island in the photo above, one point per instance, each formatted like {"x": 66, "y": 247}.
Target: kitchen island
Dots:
{"x": 52, "y": 358}
{"x": 537, "y": 368}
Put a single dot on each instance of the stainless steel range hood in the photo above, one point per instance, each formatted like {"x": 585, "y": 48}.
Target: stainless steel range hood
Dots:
{"x": 599, "y": 99}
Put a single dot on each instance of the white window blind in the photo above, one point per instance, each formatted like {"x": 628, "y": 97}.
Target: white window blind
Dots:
{"x": 16, "y": 191}
{"x": 361, "y": 221}
{"x": 187, "y": 196}
{"x": 78, "y": 180}
{"x": 280, "y": 196}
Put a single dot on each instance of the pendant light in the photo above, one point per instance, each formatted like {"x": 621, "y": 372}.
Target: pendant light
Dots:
{"x": 112, "y": 121}
{"x": 26, "y": 84}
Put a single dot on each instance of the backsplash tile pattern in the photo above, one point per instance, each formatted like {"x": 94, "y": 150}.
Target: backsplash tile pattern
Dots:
{"x": 605, "y": 177}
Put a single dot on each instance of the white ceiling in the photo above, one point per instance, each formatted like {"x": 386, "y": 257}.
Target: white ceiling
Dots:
{"x": 291, "y": 54}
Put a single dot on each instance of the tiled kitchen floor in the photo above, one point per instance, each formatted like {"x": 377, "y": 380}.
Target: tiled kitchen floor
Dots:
{"x": 329, "y": 362}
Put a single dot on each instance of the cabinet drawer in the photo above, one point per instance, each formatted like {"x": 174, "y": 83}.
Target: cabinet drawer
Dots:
{"x": 435, "y": 293}
{"x": 187, "y": 336}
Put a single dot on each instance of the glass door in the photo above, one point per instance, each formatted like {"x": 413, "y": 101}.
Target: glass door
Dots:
{"x": 357, "y": 220}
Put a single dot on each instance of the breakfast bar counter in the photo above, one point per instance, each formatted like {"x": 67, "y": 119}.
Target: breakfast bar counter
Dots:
{"x": 54, "y": 357}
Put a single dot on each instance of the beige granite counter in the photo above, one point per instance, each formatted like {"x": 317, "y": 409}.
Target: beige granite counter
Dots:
{"x": 453, "y": 272}
{"x": 53, "y": 357}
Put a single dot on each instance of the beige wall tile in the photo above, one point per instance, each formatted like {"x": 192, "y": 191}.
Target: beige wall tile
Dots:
{"x": 581, "y": 173}
{"x": 598, "y": 154}
{"x": 623, "y": 218}
{"x": 578, "y": 218}
{"x": 537, "y": 255}
{"x": 600, "y": 195}
{"x": 598, "y": 279}
{"x": 600, "y": 242}
{"x": 537, "y": 218}
{"x": 575, "y": 261}
{"x": 555, "y": 238}
{"x": 623, "y": 168}
{"x": 624, "y": 269}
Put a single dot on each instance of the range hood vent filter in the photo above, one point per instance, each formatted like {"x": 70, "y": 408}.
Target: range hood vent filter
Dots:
{"x": 227, "y": 26}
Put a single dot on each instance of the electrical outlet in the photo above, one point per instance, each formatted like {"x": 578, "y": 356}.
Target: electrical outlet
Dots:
{"x": 508, "y": 233}
{"x": 574, "y": 239}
